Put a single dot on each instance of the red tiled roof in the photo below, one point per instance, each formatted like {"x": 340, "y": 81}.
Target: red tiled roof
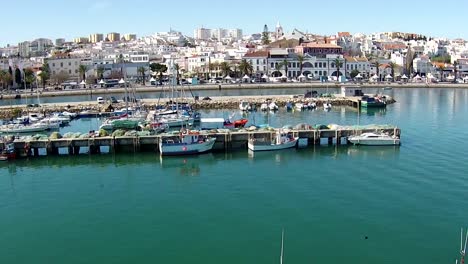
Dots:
{"x": 261, "y": 53}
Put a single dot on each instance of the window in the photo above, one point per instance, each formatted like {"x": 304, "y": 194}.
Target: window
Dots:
{"x": 325, "y": 73}
{"x": 69, "y": 63}
{"x": 258, "y": 61}
{"x": 61, "y": 64}
{"x": 76, "y": 71}
{"x": 332, "y": 65}
{"x": 289, "y": 64}
{"x": 316, "y": 66}
{"x": 324, "y": 64}
{"x": 272, "y": 65}
{"x": 53, "y": 65}
{"x": 69, "y": 71}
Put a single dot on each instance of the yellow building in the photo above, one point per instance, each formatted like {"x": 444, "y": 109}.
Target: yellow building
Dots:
{"x": 95, "y": 38}
{"x": 129, "y": 37}
{"x": 81, "y": 40}
{"x": 113, "y": 37}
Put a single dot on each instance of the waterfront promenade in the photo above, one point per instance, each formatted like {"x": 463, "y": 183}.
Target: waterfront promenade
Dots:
{"x": 50, "y": 92}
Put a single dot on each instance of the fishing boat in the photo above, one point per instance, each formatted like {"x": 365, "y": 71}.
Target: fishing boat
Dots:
{"x": 327, "y": 106}
{"x": 273, "y": 106}
{"x": 239, "y": 123}
{"x": 186, "y": 143}
{"x": 282, "y": 140}
{"x": 374, "y": 139}
{"x": 264, "y": 107}
{"x": 8, "y": 152}
{"x": 19, "y": 128}
{"x": 368, "y": 102}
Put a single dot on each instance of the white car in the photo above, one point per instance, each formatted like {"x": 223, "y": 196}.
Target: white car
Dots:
{"x": 100, "y": 100}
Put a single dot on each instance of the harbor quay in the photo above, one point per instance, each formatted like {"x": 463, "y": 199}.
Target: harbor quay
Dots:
{"x": 225, "y": 141}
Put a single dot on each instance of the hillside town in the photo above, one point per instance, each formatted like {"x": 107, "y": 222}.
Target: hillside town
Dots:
{"x": 229, "y": 56}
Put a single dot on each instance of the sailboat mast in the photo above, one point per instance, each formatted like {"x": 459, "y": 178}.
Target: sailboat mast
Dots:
{"x": 282, "y": 246}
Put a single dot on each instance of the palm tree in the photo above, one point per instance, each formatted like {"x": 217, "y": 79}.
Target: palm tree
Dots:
{"x": 285, "y": 65}
{"x": 235, "y": 67}
{"x": 29, "y": 77}
{"x": 338, "y": 65}
{"x": 278, "y": 67}
{"x": 377, "y": 69}
{"x": 142, "y": 71}
{"x": 2, "y": 78}
{"x": 300, "y": 59}
{"x": 245, "y": 67}
{"x": 441, "y": 69}
{"x": 82, "y": 69}
{"x": 392, "y": 67}
{"x": 455, "y": 70}
{"x": 100, "y": 72}
{"x": 225, "y": 68}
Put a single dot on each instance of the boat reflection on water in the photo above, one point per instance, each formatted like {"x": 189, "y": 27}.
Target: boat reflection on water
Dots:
{"x": 379, "y": 152}
{"x": 374, "y": 111}
{"x": 186, "y": 165}
{"x": 279, "y": 156}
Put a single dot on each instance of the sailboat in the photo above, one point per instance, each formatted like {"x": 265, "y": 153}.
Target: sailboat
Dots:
{"x": 462, "y": 247}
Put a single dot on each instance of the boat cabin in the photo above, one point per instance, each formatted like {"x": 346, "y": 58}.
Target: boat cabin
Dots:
{"x": 350, "y": 91}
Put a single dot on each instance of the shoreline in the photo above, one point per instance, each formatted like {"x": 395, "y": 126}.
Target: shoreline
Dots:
{"x": 252, "y": 86}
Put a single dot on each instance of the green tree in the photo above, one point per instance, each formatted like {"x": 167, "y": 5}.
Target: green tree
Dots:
{"x": 2, "y": 78}
{"x": 100, "y": 72}
{"x": 10, "y": 71}
{"x": 82, "y": 70}
{"x": 285, "y": 65}
{"x": 338, "y": 65}
{"x": 141, "y": 71}
{"x": 29, "y": 77}
{"x": 300, "y": 59}
{"x": 235, "y": 68}
{"x": 392, "y": 67}
{"x": 225, "y": 68}
{"x": 278, "y": 67}
{"x": 45, "y": 73}
{"x": 441, "y": 69}
{"x": 159, "y": 69}
{"x": 265, "y": 36}
{"x": 354, "y": 73}
{"x": 245, "y": 67}
{"x": 18, "y": 78}
{"x": 455, "y": 71}
{"x": 377, "y": 69}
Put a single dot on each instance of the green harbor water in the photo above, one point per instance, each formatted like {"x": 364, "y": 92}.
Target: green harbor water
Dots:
{"x": 409, "y": 201}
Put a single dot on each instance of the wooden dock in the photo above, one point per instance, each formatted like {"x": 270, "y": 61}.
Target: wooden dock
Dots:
{"x": 224, "y": 141}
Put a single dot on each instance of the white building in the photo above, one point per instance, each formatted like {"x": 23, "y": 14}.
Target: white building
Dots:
{"x": 202, "y": 34}
{"x": 65, "y": 65}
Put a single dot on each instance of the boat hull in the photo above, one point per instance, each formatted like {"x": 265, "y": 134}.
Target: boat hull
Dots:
{"x": 178, "y": 149}
{"x": 376, "y": 142}
{"x": 265, "y": 147}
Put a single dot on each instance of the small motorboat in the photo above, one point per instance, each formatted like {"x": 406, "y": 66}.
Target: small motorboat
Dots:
{"x": 327, "y": 106}
{"x": 264, "y": 107}
{"x": 236, "y": 124}
{"x": 282, "y": 140}
{"x": 187, "y": 143}
{"x": 374, "y": 139}
{"x": 273, "y": 106}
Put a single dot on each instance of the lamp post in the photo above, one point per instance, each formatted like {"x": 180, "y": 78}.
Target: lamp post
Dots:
{"x": 122, "y": 82}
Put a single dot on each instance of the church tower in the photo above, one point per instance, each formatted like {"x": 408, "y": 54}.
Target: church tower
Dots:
{"x": 279, "y": 31}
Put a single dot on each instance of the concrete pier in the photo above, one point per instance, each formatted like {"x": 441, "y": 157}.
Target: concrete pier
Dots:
{"x": 224, "y": 141}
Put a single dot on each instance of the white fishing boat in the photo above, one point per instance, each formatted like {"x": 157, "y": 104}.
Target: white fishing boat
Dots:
{"x": 273, "y": 106}
{"x": 19, "y": 128}
{"x": 245, "y": 106}
{"x": 264, "y": 107}
{"x": 70, "y": 114}
{"x": 374, "y": 139}
{"x": 186, "y": 143}
{"x": 299, "y": 106}
{"x": 327, "y": 106}
{"x": 281, "y": 140}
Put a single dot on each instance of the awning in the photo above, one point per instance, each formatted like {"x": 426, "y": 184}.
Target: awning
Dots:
{"x": 301, "y": 76}
{"x": 359, "y": 76}
{"x": 264, "y": 76}
{"x": 417, "y": 77}
{"x": 404, "y": 76}
{"x": 152, "y": 79}
{"x": 388, "y": 77}
{"x": 102, "y": 82}
{"x": 228, "y": 77}
{"x": 83, "y": 82}
{"x": 246, "y": 77}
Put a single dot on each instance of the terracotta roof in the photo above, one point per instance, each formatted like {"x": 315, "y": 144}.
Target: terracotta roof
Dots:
{"x": 316, "y": 45}
{"x": 260, "y": 53}
{"x": 343, "y": 34}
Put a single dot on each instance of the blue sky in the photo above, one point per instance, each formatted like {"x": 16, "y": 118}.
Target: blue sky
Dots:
{"x": 63, "y": 18}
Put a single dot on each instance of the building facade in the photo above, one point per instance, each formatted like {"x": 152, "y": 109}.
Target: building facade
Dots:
{"x": 95, "y": 38}
{"x": 113, "y": 37}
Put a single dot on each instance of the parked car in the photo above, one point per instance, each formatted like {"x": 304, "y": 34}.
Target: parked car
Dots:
{"x": 113, "y": 100}
{"x": 100, "y": 100}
